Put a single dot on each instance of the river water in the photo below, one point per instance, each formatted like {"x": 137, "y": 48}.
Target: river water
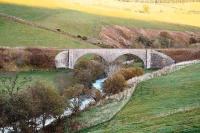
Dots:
{"x": 98, "y": 84}
{"x": 85, "y": 102}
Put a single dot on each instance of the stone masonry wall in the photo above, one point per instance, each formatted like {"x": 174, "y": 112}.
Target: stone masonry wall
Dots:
{"x": 125, "y": 96}
{"x": 160, "y": 60}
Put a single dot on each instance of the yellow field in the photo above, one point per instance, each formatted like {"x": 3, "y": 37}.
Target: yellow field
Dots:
{"x": 187, "y": 14}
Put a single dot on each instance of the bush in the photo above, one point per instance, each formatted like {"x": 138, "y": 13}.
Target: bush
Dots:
{"x": 39, "y": 59}
{"x": 21, "y": 109}
{"x": 193, "y": 40}
{"x": 180, "y": 55}
{"x": 114, "y": 84}
{"x": 74, "y": 92}
{"x": 164, "y": 42}
{"x": 84, "y": 38}
{"x": 3, "y": 117}
{"x": 32, "y": 58}
{"x": 22, "y": 58}
{"x": 88, "y": 71}
{"x": 165, "y": 34}
{"x": 49, "y": 101}
{"x": 84, "y": 77}
{"x": 144, "y": 40}
{"x": 94, "y": 93}
{"x": 129, "y": 73}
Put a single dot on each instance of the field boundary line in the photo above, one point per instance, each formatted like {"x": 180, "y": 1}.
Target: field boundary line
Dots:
{"x": 57, "y": 31}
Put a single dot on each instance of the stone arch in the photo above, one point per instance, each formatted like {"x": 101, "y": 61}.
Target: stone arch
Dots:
{"x": 142, "y": 58}
{"x": 61, "y": 59}
{"x": 160, "y": 60}
{"x": 143, "y": 54}
{"x": 82, "y": 55}
{"x": 133, "y": 56}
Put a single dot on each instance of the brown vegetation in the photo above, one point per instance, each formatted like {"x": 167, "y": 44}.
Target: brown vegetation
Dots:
{"x": 117, "y": 82}
{"x": 88, "y": 71}
{"x": 27, "y": 58}
{"x": 40, "y": 58}
{"x": 129, "y": 73}
{"x": 124, "y": 37}
{"x": 74, "y": 92}
{"x": 19, "y": 107}
{"x": 182, "y": 54}
{"x": 114, "y": 84}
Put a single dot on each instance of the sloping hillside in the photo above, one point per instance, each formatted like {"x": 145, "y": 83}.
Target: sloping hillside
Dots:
{"x": 166, "y": 104}
{"x": 125, "y": 37}
{"x": 73, "y": 22}
{"x": 176, "y": 13}
{"x": 14, "y": 34}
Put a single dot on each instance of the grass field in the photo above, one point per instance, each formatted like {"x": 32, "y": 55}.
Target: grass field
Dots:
{"x": 59, "y": 79}
{"x": 169, "y": 103}
{"x": 13, "y": 34}
{"x": 83, "y": 19}
{"x": 186, "y": 14}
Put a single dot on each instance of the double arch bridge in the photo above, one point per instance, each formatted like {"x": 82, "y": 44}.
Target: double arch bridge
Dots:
{"x": 151, "y": 58}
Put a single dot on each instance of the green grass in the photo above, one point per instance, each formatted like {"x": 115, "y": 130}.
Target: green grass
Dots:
{"x": 14, "y": 34}
{"x": 74, "y": 22}
{"x": 169, "y": 103}
{"x": 90, "y": 25}
{"x": 60, "y": 79}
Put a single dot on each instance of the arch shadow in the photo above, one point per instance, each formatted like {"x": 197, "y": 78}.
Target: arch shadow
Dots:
{"x": 90, "y": 56}
{"x": 130, "y": 59}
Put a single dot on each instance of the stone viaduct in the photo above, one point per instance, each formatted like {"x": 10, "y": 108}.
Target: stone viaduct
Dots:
{"x": 151, "y": 58}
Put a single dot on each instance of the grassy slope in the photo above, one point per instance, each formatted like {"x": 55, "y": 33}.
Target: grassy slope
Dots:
{"x": 60, "y": 79}
{"x": 166, "y": 104}
{"x": 82, "y": 23}
{"x": 14, "y": 34}
{"x": 74, "y": 22}
{"x": 177, "y": 13}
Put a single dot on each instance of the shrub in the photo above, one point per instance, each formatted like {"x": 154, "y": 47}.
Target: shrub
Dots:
{"x": 94, "y": 93}
{"x": 84, "y": 77}
{"x": 114, "y": 84}
{"x": 138, "y": 71}
{"x": 14, "y": 59}
{"x": 21, "y": 109}
{"x": 88, "y": 71}
{"x": 129, "y": 73}
{"x": 49, "y": 101}
{"x": 3, "y": 117}
{"x": 193, "y": 40}
{"x": 144, "y": 40}
{"x": 16, "y": 111}
{"x": 180, "y": 55}
{"x": 164, "y": 42}
{"x": 22, "y": 58}
{"x": 75, "y": 93}
{"x": 40, "y": 58}
{"x": 84, "y": 38}
{"x": 165, "y": 34}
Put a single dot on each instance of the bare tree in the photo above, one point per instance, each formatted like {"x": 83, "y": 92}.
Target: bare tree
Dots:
{"x": 11, "y": 83}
